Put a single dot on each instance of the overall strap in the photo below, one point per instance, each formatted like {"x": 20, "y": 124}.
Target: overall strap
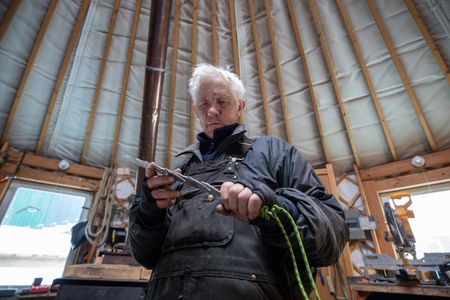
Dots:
{"x": 238, "y": 150}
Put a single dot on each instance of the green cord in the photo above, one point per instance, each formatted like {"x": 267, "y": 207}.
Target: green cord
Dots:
{"x": 268, "y": 213}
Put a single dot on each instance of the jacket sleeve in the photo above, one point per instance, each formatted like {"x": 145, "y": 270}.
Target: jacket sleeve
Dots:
{"x": 318, "y": 215}
{"x": 148, "y": 225}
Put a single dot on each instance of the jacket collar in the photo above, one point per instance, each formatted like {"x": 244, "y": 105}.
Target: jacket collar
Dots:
{"x": 194, "y": 149}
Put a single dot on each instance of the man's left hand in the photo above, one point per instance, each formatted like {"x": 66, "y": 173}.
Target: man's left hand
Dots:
{"x": 239, "y": 201}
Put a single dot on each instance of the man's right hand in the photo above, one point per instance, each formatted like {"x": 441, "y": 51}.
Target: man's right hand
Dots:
{"x": 161, "y": 187}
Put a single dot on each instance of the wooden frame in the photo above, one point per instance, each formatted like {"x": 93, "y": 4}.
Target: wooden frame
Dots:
{"x": 397, "y": 176}
{"x": 9, "y": 16}
{"x": 194, "y": 63}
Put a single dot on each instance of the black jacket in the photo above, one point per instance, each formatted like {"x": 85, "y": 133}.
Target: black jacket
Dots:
{"x": 197, "y": 253}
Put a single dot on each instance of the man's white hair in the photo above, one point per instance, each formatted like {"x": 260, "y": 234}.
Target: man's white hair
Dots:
{"x": 207, "y": 71}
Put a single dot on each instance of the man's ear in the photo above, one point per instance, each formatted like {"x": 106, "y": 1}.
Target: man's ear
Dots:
{"x": 195, "y": 108}
{"x": 241, "y": 106}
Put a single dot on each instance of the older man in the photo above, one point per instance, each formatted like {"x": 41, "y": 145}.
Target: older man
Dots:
{"x": 201, "y": 247}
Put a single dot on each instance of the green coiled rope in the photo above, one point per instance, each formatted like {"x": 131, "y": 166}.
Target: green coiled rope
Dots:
{"x": 268, "y": 213}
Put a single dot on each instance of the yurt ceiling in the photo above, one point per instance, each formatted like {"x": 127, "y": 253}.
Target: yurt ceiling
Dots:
{"x": 348, "y": 82}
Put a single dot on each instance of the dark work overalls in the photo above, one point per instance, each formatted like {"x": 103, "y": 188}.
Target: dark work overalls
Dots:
{"x": 207, "y": 255}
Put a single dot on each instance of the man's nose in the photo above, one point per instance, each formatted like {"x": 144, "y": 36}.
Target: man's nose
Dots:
{"x": 213, "y": 110}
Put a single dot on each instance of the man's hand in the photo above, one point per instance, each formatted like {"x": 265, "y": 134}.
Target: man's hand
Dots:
{"x": 160, "y": 186}
{"x": 239, "y": 201}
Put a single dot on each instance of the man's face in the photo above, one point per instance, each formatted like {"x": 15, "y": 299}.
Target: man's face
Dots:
{"x": 216, "y": 105}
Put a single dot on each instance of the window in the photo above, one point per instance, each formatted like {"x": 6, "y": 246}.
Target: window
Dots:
{"x": 35, "y": 231}
{"x": 431, "y": 223}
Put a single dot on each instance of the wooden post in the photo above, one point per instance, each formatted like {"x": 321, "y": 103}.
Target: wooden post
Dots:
{"x": 426, "y": 35}
{"x": 315, "y": 106}
{"x": 330, "y": 65}
{"x": 260, "y": 69}
{"x": 234, "y": 40}
{"x": 126, "y": 74}
{"x": 61, "y": 73}
{"x": 98, "y": 86}
{"x": 214, "y": 32}
{"x": 173, "y": 77}
{"x": 28, "y": 67}
{"x": 365, "y": 71}
{"x": 278, "y": 71}
{"x": 194, "y": 63}
{"x": 402, "y": 73}
{"x": 10, "y": 13}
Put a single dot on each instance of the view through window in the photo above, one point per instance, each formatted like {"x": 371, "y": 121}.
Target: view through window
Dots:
{"x": 431, "y": 222}
{"x": 35, "y": 231}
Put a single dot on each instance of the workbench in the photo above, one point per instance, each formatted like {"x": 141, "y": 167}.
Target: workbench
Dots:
{"x": 382, "y": 290}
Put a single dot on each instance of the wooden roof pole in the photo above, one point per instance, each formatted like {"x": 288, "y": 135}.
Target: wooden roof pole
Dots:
{"x": 98, "y": 86}
{"x": 301, "y": 49}
{"x": 28, "y": 67}
{"x": 234, "y": 40}
{"x": 154, "y": 79}
{"x": 194, "y": 63}
{"x": 173, "y": 77}
{"x": 214, "y": 32}
{"x": 62, "y": 71}
{"x": 278, "y": 71}
{"x": 260, "y": 69}
{"x": 330, "y": 65}
{"x": 10, "y": 13}
{"x": 126, "y": 75}
{"x": 427, "y": 37}
{"x": 365, "y": 71}
{"x": 402, "y": 73}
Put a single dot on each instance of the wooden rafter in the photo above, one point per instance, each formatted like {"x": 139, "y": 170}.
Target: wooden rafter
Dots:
{"x": 214, "y": 32}
{"x": 28, "y": 68}
{"x": 402, "y": 73}
{"x": 126, "y": 74}
{"x": 234, "y": 40}
{"x": 315, "y": 106}
{"x": 194, "y": 63}
{"x": 260, "y": 68}
{"x": 99, "y": 84}
{"x": 173, "y": 78}
{"x": 330, "y": 65}
{"x": 278, "y": 71}
{"x": 10, "y": 13}
{"x": 61, "y": 73}
{"x": 365, "y": 71}
{"x": 426, "y": 35}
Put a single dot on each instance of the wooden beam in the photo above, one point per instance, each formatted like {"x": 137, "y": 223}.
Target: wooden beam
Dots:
{"x": 7, "y": 176}
{"x": 260, "y": 68}
{"x": 376, "y": 209}
{"x": 402, "y": 73}
{"x": 423, "y": 179}
{"x": 173, "y": 78}
{"x": 354, "y": 198}
{"x": 333, "y": 186}
{"x": 234, "y": 40}
{"x": 432, "y": 160}
{"x": 36, "y": 161}
{"x": 126, "y": 74}
{"x": 9, "y": 15}
{"x": 62, "y": 72}
{"x": 194, "y": 63}
{"x": 276, "y": 60}
{"x": 314, "y": 102}
{"x": 214, "y": 31}
{"x": 365, "y": 71}
{"x": 427, "y": 37}
{"x": 330, "y": 65}
{"x": 99, "y": 84}
{"x": 366, "y": 206}
{"x": 57, "y": 179}
{"x": 28, "y": 68}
